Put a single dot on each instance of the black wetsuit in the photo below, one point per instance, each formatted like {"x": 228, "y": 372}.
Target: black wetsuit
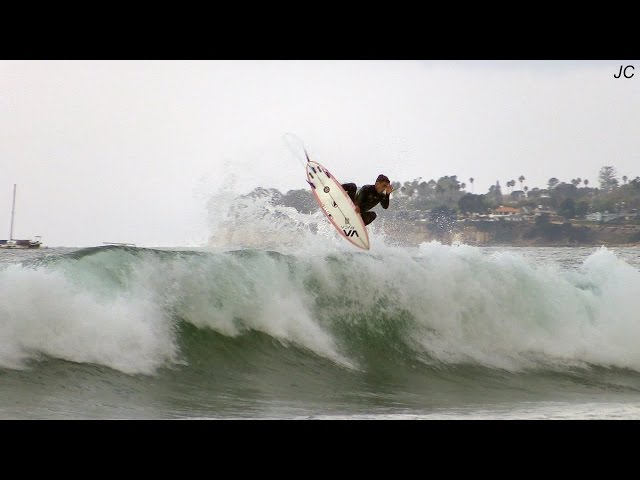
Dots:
{"x": 366, "y": 198}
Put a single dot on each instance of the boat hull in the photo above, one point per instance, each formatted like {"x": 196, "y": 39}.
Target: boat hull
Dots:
{"x": 9, "y": 244}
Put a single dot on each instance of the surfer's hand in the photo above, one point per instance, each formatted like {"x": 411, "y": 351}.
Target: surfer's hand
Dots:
{"x": 357, "y": 209}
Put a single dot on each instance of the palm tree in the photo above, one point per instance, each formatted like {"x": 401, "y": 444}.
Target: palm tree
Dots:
{"x": 452, "y": 188}
{"x": 624, "y": 179}
{"x": 471, "y": 182}
{"x": 586, "y": 182}
{"x": 521, "y": 179}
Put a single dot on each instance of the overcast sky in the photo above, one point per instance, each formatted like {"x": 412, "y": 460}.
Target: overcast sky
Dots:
{"x": 130, "y": 151}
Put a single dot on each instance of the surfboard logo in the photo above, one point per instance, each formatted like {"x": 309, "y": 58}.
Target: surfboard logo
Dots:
{"x": 351, "y": 233}
{"x": 326, "y": 189}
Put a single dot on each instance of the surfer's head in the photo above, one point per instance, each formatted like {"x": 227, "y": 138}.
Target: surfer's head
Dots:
{"x": 382, "y": 183}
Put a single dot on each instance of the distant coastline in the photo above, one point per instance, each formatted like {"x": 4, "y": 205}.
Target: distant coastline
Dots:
{"x": 516, "y": 234}
{"x": 564, "y": 214}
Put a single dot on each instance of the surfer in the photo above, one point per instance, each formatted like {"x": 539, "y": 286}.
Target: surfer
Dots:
{"x": 369, "y": 196}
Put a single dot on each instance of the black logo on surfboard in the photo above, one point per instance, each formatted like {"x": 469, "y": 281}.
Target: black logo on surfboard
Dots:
{"x": 326, "y": 189}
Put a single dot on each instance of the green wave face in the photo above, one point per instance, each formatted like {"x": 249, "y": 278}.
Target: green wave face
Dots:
{"x": 340, "y": 330}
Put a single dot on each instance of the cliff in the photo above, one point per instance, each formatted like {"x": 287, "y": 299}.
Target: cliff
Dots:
{"x": 506, "y": 233}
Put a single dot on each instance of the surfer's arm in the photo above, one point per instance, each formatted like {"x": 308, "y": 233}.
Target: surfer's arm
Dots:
{"x": 387, "y": 195}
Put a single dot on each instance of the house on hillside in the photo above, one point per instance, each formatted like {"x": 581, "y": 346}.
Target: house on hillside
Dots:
{"x": 507, "y": 213}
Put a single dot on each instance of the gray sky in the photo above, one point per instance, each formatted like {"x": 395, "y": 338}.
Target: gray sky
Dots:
{"x": 130, "y": 151}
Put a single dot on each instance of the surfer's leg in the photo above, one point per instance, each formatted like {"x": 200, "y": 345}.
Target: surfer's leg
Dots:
{"x": 368, "y": 217}
{"x": 351, "y": 189}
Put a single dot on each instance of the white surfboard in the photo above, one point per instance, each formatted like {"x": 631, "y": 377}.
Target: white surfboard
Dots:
{"x": 336, "y": 204}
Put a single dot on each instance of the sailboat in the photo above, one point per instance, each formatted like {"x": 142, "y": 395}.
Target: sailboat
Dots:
{"x": 13, "y": 243}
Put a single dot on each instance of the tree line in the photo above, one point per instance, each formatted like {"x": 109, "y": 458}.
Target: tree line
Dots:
{"x": 449, "y": 195}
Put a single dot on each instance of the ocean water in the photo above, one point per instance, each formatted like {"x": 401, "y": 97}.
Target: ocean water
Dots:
{"x": 431, "y": 332}
{"x": 306, "y": 326}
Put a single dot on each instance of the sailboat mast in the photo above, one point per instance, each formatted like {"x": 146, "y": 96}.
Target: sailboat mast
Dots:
{"x": 13, "y": 211}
